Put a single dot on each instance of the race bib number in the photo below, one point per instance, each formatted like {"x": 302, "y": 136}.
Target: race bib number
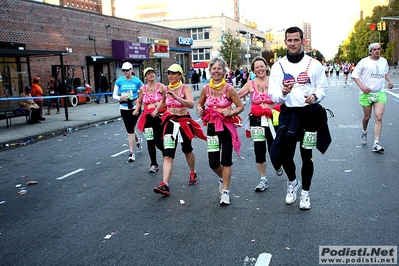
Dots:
{"x": 213, "y": 143}
{"x": 373, "y": 98}
{"x": 258, "y": 133}
{"x": 169, "y": 141}
{"x": 128, "y": 94}
{"x": 309, "y": 140}
{"x": 149, "y": 133}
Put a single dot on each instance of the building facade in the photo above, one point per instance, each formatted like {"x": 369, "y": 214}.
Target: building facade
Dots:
{"x": 207, "y": 34}
{"x": 92, "y": 42}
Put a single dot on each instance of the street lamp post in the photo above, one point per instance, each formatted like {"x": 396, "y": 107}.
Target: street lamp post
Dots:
{"x": 248, "y": 55}
{"x": 247, "y": 35}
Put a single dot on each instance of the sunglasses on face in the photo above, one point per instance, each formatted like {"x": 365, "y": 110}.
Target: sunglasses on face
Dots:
{"x": 125, "y": 70}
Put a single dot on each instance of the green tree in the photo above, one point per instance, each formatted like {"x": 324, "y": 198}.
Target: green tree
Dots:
{"x": 356, "y": 46}
{"x": 231, "y": 50}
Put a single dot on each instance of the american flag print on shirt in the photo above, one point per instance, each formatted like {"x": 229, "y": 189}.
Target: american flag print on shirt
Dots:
{"x": 303, "y": 78}
{"x": 288, "y": 79}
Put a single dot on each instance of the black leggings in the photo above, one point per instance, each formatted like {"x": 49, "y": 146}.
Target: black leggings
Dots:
{"x": 225, "y": 145}
{"x": 288, "y": 145}
{"x": 155, "y": 124}
{"x": 186, "y": 144}
{"x": 260, "y": 146}
{"x": 129, "y": 119}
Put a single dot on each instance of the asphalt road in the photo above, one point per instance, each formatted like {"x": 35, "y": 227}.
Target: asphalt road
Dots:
{"x": 91, "y": 207}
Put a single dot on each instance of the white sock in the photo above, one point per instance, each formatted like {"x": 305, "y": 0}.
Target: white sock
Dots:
{"x": 304, "y": 192}
{"x": 294, "y": 183}
{"x": 375, "y": 142}
{"x": 364, "y": 132}
{"x": 225, "y": 191}
{"x": 263, "y": 178}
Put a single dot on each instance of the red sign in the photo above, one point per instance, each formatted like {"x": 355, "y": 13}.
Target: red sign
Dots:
{"x": 158, "y": 48}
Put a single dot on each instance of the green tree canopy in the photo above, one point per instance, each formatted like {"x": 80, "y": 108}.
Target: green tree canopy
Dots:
{"x": 231, "y": 50}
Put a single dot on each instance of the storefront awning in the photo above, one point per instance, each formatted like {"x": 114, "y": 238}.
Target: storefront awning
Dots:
{"x": 200, "y": 65}
{"x": 28, "y": 53}
{"x": 99, "y": 59}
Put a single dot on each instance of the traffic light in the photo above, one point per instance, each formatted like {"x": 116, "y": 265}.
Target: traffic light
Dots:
{"x": 372, "y": 26}
{"x": 381, "y": 25}
{"x": 269, "y": 36}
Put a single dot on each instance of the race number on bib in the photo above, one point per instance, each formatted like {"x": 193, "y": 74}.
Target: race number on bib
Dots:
{"x": 309, "y": 140}
{"x": 149, "y": 133}
{"x": 169, "y": 141}
{"x": 258, "y": 133}
{"x": 213, "y": 143}
{"x": 128, "y": 94}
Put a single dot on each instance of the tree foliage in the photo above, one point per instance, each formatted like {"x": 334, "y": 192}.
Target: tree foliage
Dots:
{"x": 356, "y": 46}
{"x": 231, "y": 50}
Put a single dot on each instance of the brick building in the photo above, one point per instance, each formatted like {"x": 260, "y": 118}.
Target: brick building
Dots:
{"x": 90, "y": 42}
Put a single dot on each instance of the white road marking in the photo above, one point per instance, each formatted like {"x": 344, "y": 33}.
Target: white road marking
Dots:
{"x": 119, "y": 153}
{"x": 263, "y": 259}
{"x": 392, "y": 93}
{"x": 71, "y": 173}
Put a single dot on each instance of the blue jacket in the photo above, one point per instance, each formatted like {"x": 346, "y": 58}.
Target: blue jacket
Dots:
{"x": 294, "y": 121}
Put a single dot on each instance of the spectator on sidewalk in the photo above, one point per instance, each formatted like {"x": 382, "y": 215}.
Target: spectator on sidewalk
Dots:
{"x": 37, "y": 91}
{"x": 30, "y": 106}
{"x": 190, "y": 75}
{"x": 53, "y": 90}
{"x": 102, "y": 86}
{"x": 204, "y": 80}
{"x": 195, "y": 80}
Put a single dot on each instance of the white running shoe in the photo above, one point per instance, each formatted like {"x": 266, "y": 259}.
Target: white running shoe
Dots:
{"x": 291, "y": 192}
{"x": 225, "y": 198}
{"x": 154, "y": 169}
{"x": 261, "y": 186}
{"x": 377, "y": 148}
{"x": 131, "y": 158}
{"x": 363, "y": 138}
{"x": 304, "y": 204}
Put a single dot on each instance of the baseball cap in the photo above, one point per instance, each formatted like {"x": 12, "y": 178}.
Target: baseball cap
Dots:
{"x": 175, "y": 68}
{"x": 36, "y": 79}
{"x": 127, "y": 66}
{"x": 148, "y": 69}
{"x": 28, "y": 88}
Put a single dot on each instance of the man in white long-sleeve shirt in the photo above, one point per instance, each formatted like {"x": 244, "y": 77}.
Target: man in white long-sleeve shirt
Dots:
{"x": 299, "y": 82}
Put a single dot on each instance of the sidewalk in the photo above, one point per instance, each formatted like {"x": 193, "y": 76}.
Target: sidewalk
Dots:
{"x": 83, "y": 115}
